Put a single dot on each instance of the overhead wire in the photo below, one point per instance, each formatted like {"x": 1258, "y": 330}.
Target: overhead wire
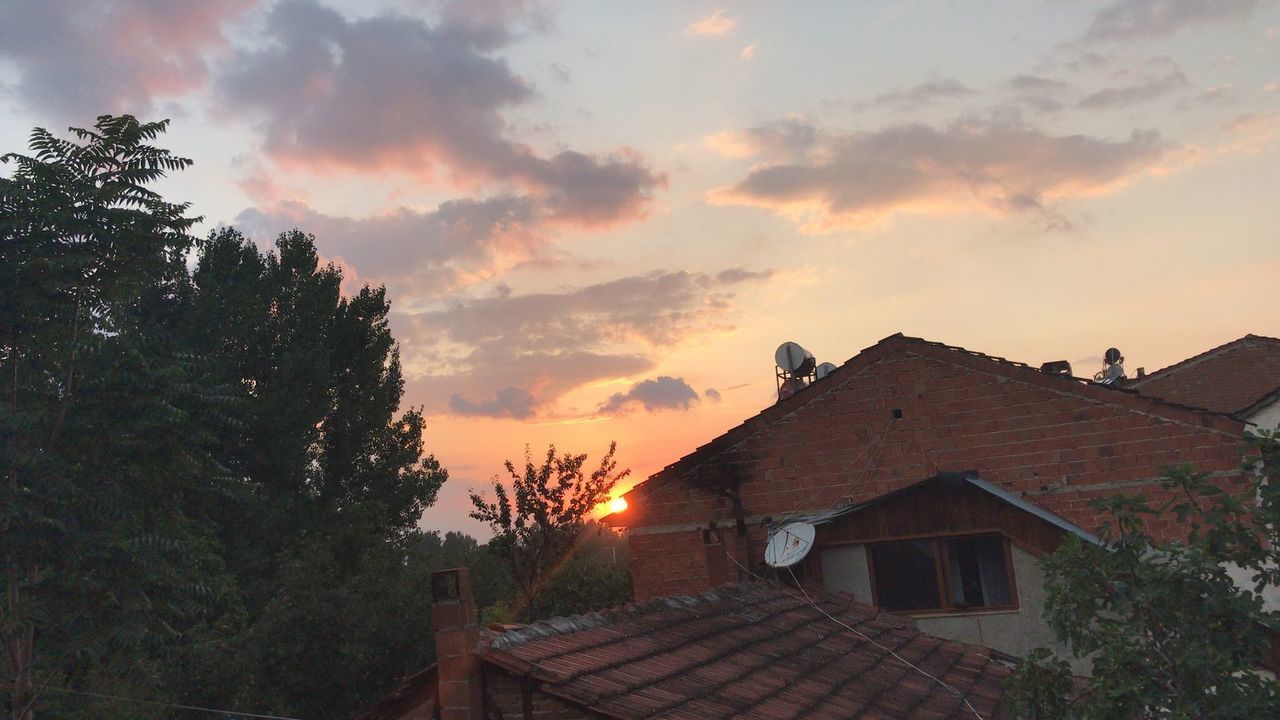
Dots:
{"x": 176, "y": 706}
{"x": 864, "y": 636}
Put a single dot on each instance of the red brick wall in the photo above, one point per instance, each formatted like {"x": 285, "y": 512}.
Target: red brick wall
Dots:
{"x": 1029, "y": 433}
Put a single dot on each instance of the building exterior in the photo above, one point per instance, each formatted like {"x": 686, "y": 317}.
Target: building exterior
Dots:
{"x": 933, "y": 477}
{"x": 1240, "y": 378}
{"x": 865, "y": 455}
{"x": 741, "y": 650}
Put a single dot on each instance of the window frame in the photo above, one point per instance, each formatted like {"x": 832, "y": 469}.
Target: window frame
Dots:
{"x": 942, "y": 564}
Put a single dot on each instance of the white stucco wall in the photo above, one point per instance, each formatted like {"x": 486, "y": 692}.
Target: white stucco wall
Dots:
{"x": 1267, "y": 418}
{"x": 1016, "y": 632}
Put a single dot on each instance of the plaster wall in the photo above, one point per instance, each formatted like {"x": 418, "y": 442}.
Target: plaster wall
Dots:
{"x": 1268, "y": 418}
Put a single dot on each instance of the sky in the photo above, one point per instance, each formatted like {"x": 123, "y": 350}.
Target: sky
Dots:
{"x": 597, "y": 220}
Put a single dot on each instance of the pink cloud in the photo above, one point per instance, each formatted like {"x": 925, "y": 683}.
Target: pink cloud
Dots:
{"x": 394, "y": 93}
{"x": 77, "y": 60}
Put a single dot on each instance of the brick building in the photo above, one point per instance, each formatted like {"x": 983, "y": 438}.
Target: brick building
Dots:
{"x": 1241, "y": 378}
{"x": 1031, "y": 450}
{"x": 934, "y": 478}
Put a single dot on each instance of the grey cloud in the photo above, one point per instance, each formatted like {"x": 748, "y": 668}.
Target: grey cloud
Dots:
{"x": 791, "y": 137}
{"x": 1036, "y": 83}
{"x": 1131, "y": 19}
{"x": 490, "y": 24}
{"x": 509, "y": 402}
{"x": 712, "y": 394}
{"x": 76, "y": 60}
{"x": 428, "y": 251}
{"x": 1040, "y": 94}
{"x": 658, "y": 308}
{"x": 546, "y": 344}
{"x": 997, "y": 164}
{"x": 1133, "y": 94}
{"x": 527, "y": 382}
{"x": 925, "y": 93}
{"x": 737, "y": 275}
{"x": 661, "y": 393}
{"x": 393, "y": 93}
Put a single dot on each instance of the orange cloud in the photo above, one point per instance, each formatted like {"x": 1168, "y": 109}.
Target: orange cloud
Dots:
{"x": 717, "y": 23}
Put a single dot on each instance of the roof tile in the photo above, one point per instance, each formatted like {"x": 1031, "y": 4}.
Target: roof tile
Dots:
{"x": 1231, "y": 378}
{"x": 754, "y": 650}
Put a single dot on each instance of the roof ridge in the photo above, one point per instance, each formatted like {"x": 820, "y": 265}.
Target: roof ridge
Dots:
{"x": 1076, "y": 382}
{"x": 804, "y": 397}
{"x": 563, "y": 624}
{"x": 1202, "y": 356}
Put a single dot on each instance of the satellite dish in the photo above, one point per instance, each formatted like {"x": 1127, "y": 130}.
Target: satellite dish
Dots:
{"x": 1113, "y": 356}
{"x": 789, "y": 356}
{"x": 789, "y": 545}
{"x": 790, "y": 387}
{"x": 825, "y": 369}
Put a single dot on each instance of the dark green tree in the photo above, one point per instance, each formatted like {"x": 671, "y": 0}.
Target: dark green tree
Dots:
{"x": 537, "y": 525}
{"x": 332, "y": 477}
{"x": 104, "y": 448}
{"x": 1168, "y": 631}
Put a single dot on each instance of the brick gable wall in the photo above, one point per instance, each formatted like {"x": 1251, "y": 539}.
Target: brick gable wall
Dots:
{"x": 1054, "y": 442}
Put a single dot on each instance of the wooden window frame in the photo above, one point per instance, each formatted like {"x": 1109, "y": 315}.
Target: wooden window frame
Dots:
{"x": 941, "y": 564}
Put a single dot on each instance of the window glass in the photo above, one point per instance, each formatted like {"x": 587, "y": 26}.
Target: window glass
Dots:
{"x": 973, "y": 572}
{"x": 978, "y": 575}
{"x": 906, "y": 575}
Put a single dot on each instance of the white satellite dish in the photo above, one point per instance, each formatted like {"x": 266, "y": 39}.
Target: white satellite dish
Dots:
{"x": 789, "y": 356}
{"x": 789, "y": 545}
{"x": 824, "y": 369}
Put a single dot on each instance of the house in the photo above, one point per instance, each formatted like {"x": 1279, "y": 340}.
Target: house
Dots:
{"x": 751, "y": 650}
{"x": 933, "y": 478}
{"x": 1240, "y": 378}
{"x": 936, "y": 477}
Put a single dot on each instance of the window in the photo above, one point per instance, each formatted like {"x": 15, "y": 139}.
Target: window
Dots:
{"x": 952, "y": 573}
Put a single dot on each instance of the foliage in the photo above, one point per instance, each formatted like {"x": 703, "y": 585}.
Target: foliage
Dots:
{"x": 105, "y": 449}
{"x": 595, "y": 576}
{"x": 540, "y": 522}
{"x": 321, "y": 531}
{"x": 1168, "y": 631}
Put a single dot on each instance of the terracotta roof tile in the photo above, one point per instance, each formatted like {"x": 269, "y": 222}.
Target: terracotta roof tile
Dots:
{"x": 753, "y": 650}
{"x": 1231, "y": 378}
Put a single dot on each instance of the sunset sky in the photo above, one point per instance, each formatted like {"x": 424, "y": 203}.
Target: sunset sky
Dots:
{"x": 596, "y": 220}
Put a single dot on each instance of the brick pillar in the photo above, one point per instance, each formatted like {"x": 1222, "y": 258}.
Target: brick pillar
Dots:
{"x": 453, "y": 615}
{"x": 720, "y": 569}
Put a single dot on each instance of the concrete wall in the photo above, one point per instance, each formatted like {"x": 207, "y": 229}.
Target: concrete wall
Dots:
{"x": 1016, "y": 632}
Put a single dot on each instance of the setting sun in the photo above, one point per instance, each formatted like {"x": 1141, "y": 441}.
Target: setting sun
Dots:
{"x": 617, "y": 505}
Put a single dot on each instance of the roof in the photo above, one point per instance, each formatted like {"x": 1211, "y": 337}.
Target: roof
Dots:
{"x": 752, "y": 650}
{"x": 1234, "y": 378}
{"x": 969, "y": 477}
{"x": 1013, "y": 370}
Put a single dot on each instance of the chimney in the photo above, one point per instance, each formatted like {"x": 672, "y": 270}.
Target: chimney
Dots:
{"x": 453, "y": 615}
